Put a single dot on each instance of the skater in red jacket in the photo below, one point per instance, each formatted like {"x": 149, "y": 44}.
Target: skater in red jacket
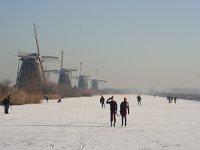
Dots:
{"x": 124, "y": 110}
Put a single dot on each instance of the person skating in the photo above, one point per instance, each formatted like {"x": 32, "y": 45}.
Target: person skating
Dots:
{"x": 139, "y": 100}
{"x": 59, "y": 100}
{"x": 175, "y": 99}
{"x": 47, "y": 98}
{"x": 113, "y": 110}
{"x": 6, "y": 103}
{"x": 124, "y": 110}
{"x": 102, "y": 101}
{"x": 169, "y": 99}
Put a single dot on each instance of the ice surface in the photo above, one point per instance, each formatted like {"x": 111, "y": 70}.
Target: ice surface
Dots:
{"x": 81, "y": 123}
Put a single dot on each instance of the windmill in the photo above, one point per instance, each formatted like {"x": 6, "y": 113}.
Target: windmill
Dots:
{"x": 95, "y": 82}
{"x": 64, "y": 75}
{"x": 31, "y": 74}
{"x": 82, "y": 80}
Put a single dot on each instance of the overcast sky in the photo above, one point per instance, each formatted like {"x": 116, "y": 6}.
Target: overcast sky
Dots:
{"x": 132, "y": 43}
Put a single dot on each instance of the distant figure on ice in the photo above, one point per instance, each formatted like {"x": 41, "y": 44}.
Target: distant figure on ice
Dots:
{"x": 47, "y": 98}
{"x": 175, "y": 99}
{"x": 124, "y": 110}
{"x": 6, "y": 103}
{"x": 102, "y": 101}
{"x": 139, "y": 99}
{"x": 59, "y": 100}
{"x": 113, "y": 110}
{"x": 168, "y": 98}
{"x": 171, "y": 99}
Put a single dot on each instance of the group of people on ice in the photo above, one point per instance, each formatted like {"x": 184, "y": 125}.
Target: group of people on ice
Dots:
{"x": 124, "y": 110}
{"x": 171, "y": 98}
{"x": 124, "y": 107}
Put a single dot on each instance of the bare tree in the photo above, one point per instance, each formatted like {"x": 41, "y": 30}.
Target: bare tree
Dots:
{"x": 4, "y": 85}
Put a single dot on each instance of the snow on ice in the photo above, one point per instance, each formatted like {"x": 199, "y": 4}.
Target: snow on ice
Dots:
{"x": 81, "y": 124}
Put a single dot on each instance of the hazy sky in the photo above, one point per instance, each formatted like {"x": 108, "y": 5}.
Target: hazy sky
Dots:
{"x": 132, "y": 43}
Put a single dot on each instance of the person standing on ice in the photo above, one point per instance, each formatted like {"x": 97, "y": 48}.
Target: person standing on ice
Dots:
{"x": 59, "y": 100}
{"x": 113, "y": 110}
{"x": 6, "y": 103}
{"x": 139, "y": 100}
{"x": 124, "y": 110}
{"x": 102, "y": 101}
{"x": 47, "y": 98}
{"x": 175, "y": 99}
{"x": 168, "y": 98}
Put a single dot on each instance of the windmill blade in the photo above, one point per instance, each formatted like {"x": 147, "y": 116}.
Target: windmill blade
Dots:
{"x": 36, "y": 39}
{"x": 74, "y": 77}
{"x": 68, "y": 70}
{"x": 22, "y": 53}
{"x": 71, "y": 69}
{"x": 27, "y": 56}
{"x": 50, "y": 58}
{"x": 54, "y": 71}
{"x": 102, "y": 81}
{"x": 97, "y": 80}
{"x": 86, "y": 76}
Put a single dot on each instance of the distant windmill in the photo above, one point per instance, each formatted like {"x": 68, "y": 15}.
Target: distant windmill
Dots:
{"x": 64, "y": 75}
{"x": 95, "y": 82}
{"x": 31, "y": 73}
{"x": 83, "y": 80}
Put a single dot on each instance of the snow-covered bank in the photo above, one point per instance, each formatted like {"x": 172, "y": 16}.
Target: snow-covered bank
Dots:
{"x": 81, "y": 123}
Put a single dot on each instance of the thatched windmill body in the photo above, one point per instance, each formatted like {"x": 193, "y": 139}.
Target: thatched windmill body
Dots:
{"x": 31, "y": 72}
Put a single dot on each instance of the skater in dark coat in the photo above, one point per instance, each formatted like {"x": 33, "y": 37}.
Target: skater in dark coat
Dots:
{"x": 175, "y": 99}
{"x": 169, "y": 99}
{"x": 102, "y": 101}
{"x": 139, "y": 100}
{"x": 59, "y": 100}
{"x": 113, "y": 110}
{"x": 124, "y": 110}
{"x": 47, "y": 98}
{"x": 6, "y": 103}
